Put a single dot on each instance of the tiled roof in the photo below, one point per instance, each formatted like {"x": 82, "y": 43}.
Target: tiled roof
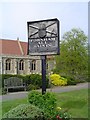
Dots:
{"x": 13, "y": 47}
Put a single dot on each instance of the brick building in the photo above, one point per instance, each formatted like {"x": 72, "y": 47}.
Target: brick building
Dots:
{"x": 14, "y": 59}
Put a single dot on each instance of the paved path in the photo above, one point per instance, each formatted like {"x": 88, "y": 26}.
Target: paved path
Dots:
{"x": 19, "y": 95}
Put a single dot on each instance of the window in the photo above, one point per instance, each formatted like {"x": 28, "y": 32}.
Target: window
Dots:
{"x": 8, "y": 64}
{"x": 21, "y": 65}
{"x": 33, "y": 65}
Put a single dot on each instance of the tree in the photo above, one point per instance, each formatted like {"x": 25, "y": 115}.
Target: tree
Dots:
{"x": 73, "y": 58}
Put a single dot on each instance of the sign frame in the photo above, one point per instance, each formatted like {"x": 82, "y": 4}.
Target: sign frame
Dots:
{"x": 43, "y": 38}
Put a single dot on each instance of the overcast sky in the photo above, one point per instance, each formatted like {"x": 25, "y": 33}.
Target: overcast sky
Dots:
{"x": 16, "y": 14}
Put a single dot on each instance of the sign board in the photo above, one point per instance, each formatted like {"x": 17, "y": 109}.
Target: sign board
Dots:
{"x": 43, "y": 37}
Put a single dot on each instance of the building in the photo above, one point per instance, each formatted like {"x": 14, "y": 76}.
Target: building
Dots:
{"x": 14, "y": 59}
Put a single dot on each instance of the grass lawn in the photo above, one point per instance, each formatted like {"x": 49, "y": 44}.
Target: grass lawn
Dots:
{"x": 0, "y": 91}
{"x": 0, "y": 110}
{"x": 7, "y": 105}
{"x": 75, "y": 101}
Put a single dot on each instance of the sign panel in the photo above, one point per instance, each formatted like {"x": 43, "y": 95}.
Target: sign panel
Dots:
{"x": 43, "y": 37}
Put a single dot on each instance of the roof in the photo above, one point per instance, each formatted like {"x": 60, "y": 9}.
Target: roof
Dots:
{"x": 13, "y": 47}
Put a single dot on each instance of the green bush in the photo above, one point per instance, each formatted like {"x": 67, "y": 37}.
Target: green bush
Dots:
{"x": 31, "y": 87}
{"x": 70, "y": 80}
{"x": 3, "y": 91}
{"x": 34, "y": 79}
{"x": 35, "y": 98}
{"x": 47, "y": 103}
{"x": 25, "y": 111}
{"x": 27, "y": 79}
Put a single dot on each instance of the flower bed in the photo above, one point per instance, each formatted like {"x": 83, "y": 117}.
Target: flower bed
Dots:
{"x": 58, "y": 80}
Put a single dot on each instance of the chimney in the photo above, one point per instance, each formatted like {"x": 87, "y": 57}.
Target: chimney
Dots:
{"x": 21, "y": 49}
{"x": 18, "y": 38}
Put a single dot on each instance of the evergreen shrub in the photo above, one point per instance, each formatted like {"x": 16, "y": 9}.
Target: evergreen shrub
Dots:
{"x": 25, "y": 111}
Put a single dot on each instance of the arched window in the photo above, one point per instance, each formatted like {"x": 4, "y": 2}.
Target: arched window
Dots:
{"x": 8, "y": 64}
{"x": 33, "y": 65}
{"x": 21, "y": 65}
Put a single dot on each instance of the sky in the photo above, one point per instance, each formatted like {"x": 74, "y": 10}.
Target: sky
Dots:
{"x": 15, "y": 15}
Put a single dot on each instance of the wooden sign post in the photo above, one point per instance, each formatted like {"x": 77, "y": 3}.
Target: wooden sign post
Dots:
{"x": 43, "y": 40}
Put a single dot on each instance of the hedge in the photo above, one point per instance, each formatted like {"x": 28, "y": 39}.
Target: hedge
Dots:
{"x": 25, "y": 111}
{"x": 33, "y": 79}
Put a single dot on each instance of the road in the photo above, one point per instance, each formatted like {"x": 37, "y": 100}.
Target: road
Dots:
{"x": 20, "y": 95}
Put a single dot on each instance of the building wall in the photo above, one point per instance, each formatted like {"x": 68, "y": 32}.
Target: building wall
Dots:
{"x": 20, "y": 54}
{"x": 0, "y": 65}
{"x": 14, "y": 65}
{"x": 50, "y": 65}
{"x": 27, "y": 65}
